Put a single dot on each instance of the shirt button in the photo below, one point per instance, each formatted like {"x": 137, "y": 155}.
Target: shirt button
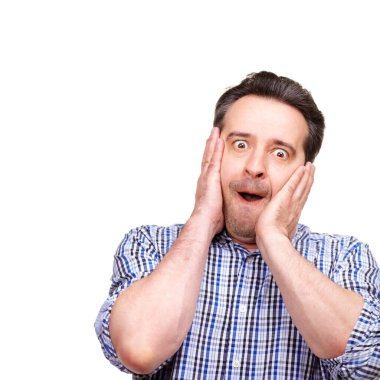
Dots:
{"x": 243, "y": 309}
{"x": 236, "y": 363}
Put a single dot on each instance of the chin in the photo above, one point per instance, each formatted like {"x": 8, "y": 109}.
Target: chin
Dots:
{"x": 243, "y": 231}
{"x": 240, "y": 221}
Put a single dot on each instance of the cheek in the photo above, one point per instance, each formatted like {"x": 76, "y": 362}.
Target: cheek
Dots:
{"x": 229, "y": 171}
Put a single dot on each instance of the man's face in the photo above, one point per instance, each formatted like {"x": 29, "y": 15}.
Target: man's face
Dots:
{"x": 264, "y": 145}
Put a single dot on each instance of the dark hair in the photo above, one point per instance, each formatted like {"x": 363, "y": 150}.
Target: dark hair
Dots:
{"x": 267, "y": 84}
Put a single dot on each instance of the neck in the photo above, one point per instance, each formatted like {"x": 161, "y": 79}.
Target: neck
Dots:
{"x": 248, "y": 243}
{"x": 250, "y": 246}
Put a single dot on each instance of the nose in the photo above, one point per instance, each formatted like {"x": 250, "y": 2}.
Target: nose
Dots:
{"x": 255, "y": 165}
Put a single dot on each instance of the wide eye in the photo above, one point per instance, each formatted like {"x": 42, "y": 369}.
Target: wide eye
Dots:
{"x": 240, "y": 145}
{"x": 280, "y": 153}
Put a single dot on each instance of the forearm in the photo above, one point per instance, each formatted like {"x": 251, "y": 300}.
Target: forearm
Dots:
{"x": 323, "y": 312}
{"x": 150, "y": 319}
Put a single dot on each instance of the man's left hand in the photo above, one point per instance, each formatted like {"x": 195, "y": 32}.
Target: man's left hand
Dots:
{"x": 281, "y": 215}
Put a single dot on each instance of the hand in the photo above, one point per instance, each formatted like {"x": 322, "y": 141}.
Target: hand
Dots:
{"x": 208, "y": 197}
{"x": 281, "y": 215}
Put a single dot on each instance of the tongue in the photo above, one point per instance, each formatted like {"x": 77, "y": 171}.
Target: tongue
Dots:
{"x": 250, "y": 197}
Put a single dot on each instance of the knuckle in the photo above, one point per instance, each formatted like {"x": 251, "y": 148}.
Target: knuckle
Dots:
{"x": 291, "y": 188}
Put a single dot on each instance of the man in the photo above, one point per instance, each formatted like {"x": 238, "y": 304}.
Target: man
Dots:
{"x": 242, "y": 290}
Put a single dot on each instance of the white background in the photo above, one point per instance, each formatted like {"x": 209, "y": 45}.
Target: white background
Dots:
{"x": 105, "y": 107}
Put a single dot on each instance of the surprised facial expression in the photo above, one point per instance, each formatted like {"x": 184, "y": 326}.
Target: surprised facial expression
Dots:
{"x": 264, "y": 145}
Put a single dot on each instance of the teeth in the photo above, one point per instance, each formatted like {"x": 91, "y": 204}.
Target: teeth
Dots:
{"x": 250, "y": 197}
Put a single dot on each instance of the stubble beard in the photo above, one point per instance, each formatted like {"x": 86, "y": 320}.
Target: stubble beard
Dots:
{"x": 240, "y": 224}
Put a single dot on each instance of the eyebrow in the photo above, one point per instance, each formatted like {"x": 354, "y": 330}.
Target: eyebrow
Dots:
{"x": 274, "y": 141}
{"x": 286, "y": 145}
{"x": 238, "y": 134}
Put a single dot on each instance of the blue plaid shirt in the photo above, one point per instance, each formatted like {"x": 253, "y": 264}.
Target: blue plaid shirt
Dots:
{"x": 241, "y": 328}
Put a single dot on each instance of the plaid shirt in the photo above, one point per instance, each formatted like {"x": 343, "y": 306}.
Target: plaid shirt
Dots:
{"x": 241, "y": 328}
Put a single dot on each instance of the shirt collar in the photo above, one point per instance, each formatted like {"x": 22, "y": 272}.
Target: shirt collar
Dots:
{"x": 223, "y": 239}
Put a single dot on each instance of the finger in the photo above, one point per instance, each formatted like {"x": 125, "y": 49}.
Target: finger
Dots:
{"x": 285, "y": 195}
{"x": 303, "y": 186}
{"x": 309, "y": 184}
{"x": 290, "y": 187}
{"x": 210, "y": 145}
{"x": 217, "y": 155}
{"x": 207, "y": 148}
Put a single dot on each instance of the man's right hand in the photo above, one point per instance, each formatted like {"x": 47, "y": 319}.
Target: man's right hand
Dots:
{"x": 208, "y": 197}
{"x": 178, "y": 277}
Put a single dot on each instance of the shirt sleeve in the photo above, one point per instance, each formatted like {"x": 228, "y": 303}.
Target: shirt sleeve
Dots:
{"x": 136, "y": 257}
{"x": 356, "y": 269}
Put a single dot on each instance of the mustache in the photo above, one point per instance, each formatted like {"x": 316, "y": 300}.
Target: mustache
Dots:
{"x": 251, "y": 185}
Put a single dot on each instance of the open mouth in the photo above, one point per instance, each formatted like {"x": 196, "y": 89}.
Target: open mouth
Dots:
{"x": 250, "y": 197}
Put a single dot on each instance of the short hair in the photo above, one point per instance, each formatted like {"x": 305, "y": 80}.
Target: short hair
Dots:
{"x": 285, "y": 90}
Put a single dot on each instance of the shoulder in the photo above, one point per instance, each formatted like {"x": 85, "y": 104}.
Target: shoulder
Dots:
{"x": 142, "y": 248}
{"x": 151, "y": 237}
{"x": 328, "y": 251}
{"x": 155, "y": 233}
{"x": 324, "y": 240}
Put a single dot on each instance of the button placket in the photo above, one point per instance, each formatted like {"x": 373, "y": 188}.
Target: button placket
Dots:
{"x": 243, "y": 309}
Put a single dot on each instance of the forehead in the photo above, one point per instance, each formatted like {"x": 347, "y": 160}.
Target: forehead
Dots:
{"x": 265, "y": 118}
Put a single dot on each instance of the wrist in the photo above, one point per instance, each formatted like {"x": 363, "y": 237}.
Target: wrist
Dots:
{"x": 270, "y": 240}
{"x": 275, "y": 233}
{"x": 207, "y": 226}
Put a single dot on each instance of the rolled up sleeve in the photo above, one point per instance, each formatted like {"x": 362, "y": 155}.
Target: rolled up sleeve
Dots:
{"x": 136, "y": 257}
{"x": 357, "y": 270}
